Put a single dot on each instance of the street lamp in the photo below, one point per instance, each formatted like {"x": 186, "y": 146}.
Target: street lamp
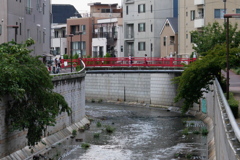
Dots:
{"x": 80, "y": 45}
{"x": 227, "y": 16}
{"x": 71, "y": 35}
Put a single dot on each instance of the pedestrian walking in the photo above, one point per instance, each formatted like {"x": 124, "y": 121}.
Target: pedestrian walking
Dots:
{"x": 145, "y": 59}
{"x": 130, "y": 60}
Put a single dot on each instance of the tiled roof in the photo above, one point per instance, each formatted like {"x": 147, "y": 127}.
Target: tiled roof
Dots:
{"x": 61, "y": 12}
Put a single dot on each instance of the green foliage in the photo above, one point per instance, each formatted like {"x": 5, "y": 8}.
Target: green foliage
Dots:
{"x": 26, "y": 83}
{"x": 197, "y": 77}
{"x": 185, "y": 131}
{"x": 78, "y": 68}
{"x": 74, "y": 132}
{"x": 75, "y": 56}
{"x": 107, "y": 55}
{"x": 212, "y": 35}
{"x": 233, "y": 104}
{"x": 85, "y": 145}
{"x": 65, "y": 56}
{"x": 96, "y": 135}
{"x": 110, "y": 129}
{"x": 99, "y": 124}
{"x": 204, "y": 131}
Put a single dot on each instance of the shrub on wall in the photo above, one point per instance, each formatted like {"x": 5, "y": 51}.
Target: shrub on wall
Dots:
{"x": 233, "y": 103}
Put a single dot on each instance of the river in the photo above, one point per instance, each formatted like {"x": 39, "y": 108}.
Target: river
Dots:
{"x": 135, "y": 133}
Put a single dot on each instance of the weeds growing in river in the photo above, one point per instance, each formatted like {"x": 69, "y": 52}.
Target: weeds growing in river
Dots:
{"x": 110, "y": 129}
{"x": 204, "y": 131}
{"x": 74, "y": 132}
{"x": 185, "y": 131}
{"x": 99, "y": 124}
{"x": 85, "y": 145}
{"x": 96, "y": 135}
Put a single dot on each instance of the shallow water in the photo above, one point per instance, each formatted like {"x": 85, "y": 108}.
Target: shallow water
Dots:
{"x": 140, "y": 133}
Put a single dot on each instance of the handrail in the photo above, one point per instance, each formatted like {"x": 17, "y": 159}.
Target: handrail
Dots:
{"x": 229, "y": 112}
{"x": 83, "y": 69}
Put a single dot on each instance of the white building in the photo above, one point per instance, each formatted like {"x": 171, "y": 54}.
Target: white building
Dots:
{"x": 108, "y": 38}
{"x": 59, "y": 40}
{"x": 143, "y": 20}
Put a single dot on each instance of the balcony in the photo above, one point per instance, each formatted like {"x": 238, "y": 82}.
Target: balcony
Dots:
{"x": 198, "y": 22}
{"x": 198, "y": 2}
{"x": 129, "y": 1}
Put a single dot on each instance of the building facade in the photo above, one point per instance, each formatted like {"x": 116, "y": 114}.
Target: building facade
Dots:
{"x": 169, "y": 38}
{"x": 23, "y": 19}
{"x": 107, "y": 38}
{"x": 193, "y": 15}
{"x": 143, "y": 20}
{"x": 80, "y": 31}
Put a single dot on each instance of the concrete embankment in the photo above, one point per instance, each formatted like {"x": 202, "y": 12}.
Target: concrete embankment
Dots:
{"x": 47, "y": 143}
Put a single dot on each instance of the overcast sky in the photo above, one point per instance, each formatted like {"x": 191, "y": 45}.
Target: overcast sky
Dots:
{"x": 81, "y": 5}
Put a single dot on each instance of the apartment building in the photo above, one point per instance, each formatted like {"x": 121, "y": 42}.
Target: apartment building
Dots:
{"x": 80, "y": 31}
{"x": 108, "y": 38}
{"x": 143, "y": 20}
{"x": 23, "y": 19}
{"x": 195, "y": 14}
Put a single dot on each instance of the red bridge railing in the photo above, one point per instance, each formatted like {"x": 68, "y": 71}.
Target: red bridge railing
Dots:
{"x": 125, "y": 61}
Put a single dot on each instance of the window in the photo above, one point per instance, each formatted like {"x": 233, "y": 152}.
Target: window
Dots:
{"x": 238, "y": 11}
{"x": 151, "y": 47}
{"x": 141, "y": 27}
{"x": 186, "y": 14}
{"x": 164, "y": 41}
{"x": 0, "y": 29}
{"x": 55, "y": 34}
{"x": 20, "y": 28}
{"x": 151, "y": 27}
{"x": 63, "y": 33}
{"x": 44, "y": 37}
{"x": 74, "y": 29}
{"x": 192, "y": 15}
{"x": 141, "y": 46}
{"x": 28, "y": 33}
{"x": 186, "y": 36}
{"x": 106, "y": 10}
{"x": 167, "y": 24}
{"x": 141, "y": 8}
{"x": 126, "y": 10}
{"x": 219, "y": 13}
{"x": 151, "y": 8}
{"x": 83, "y": 29}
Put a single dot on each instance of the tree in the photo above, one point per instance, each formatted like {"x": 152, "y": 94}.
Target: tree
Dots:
{"x": 197, "y": 76}
{"x": 32, "y": 104}
{"x": 214, "y": 34}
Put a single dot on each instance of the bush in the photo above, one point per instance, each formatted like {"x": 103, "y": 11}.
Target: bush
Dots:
{"x": 78, "y": 68}
{"x": 85, "y": 145}
{"x": 99, "y": 124}
{"x": 75, "y": 56}
{"x": 233, "y": 105}
{"x": 204, "y": 132}
{"x": 74, "y": 132}
{"x": 110, "y": 129}
{"x": 65, "y": 56}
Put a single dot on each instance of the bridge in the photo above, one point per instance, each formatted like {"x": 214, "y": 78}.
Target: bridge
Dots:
{"x": 126, "y": 62}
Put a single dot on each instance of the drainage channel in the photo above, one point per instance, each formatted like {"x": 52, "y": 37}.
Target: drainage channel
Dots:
{"x": 119, "y": 132}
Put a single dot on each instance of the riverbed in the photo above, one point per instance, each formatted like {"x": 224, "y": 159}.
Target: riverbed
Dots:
{"x": 120, "y": 132}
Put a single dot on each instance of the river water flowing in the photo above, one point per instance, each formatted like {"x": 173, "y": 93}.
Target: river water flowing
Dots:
{"x": 139, "y": 133}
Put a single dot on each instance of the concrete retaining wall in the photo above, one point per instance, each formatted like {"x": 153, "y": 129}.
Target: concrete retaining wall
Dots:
{"x": 150, "y": 88}
{"x": 72, "y": 87}
{"x": 226, "y": 144}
